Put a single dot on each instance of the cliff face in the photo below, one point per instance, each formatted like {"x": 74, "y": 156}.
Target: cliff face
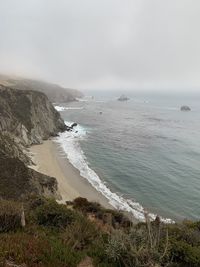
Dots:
{"x": 26, "y": 117}
{"x": 9, "y": 148}
{"x": 54, "y": 92}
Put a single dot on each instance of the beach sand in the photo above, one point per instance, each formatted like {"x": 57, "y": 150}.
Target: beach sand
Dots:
{"x": 51, "y": 160}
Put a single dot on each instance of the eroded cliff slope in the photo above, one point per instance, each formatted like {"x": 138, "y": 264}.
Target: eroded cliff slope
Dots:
{"x": 26, "y": 117}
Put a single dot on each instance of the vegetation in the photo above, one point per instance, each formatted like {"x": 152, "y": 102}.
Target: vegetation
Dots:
{"x": 10, "y": 216}
{"x": 64, "y": 235}
{"x": 49, "y": 213}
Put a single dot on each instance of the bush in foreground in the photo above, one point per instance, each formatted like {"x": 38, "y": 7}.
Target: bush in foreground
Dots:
{"x": 81, "y": 234}
{"x": 53, "y": 214}
{"x": 56, "y": 235}
{"x": 114, "y": 218}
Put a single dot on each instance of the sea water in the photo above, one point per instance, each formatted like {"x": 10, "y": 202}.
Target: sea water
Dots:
{"x": 142, "y": 154}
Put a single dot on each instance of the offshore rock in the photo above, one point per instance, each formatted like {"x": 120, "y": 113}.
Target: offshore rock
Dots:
{"x": 74, "y": 125}
{"x": 185, "y": 108}
{"x": 123, "y": 98}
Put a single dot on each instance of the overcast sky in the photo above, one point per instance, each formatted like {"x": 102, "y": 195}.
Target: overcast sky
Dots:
{"x": 103, "y": 43}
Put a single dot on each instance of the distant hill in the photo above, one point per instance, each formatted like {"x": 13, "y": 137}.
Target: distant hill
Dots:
{"x": 54, "y": 92}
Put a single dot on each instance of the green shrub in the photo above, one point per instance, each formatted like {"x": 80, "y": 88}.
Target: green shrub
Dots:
{"x": 82, "y": 204}
{"x": 35, "y": 201}
{"x": 185, "y": 254}
{"x": 81, "y": 233}
{"x": 61, "y": 255}
{"x": 145, "y": 244}
{"x": 50, "y": 213}
{"x": 117, "y": 246}
{"x": 119, "y": 219}
{"x": 37, "y": 250}
{"x": 108, "y": 216}
{"x": 150, "y": 244}
{"x": 185, "y": 243}
{"x": 10, "y": 216}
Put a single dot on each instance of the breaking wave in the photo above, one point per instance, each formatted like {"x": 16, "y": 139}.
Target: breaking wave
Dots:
{"x": 59, "y": 108}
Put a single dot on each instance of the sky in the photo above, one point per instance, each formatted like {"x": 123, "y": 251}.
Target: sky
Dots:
{"x": 108, "y": 44}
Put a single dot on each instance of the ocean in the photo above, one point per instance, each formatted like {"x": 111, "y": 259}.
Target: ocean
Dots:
{"x": 142, "y": 154}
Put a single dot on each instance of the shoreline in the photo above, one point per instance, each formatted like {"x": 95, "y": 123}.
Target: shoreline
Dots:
{"x": 50, "y": 159}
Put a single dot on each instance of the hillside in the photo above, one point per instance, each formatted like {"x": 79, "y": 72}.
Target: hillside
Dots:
{"x": 83, "y": 234}
{"x": 54, "y": 92}
{"x": 17, "y": 181}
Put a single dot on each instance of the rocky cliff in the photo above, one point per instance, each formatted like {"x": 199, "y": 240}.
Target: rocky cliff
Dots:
{"x": 54, "y": 92}
{"x": 26, "y": 117}
{"x": 10, "y": 148}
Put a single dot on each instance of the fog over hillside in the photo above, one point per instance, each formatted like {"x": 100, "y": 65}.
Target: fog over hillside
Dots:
{"x": 54, "y": 92}
{"x": 136, "y": 44}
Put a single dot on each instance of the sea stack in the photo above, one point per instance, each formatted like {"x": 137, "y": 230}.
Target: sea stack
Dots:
{"x": 185, "y": 108}
{"x": 123, "y": 98}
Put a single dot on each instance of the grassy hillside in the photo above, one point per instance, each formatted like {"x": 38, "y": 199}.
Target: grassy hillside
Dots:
{"x": 83, "y": 232}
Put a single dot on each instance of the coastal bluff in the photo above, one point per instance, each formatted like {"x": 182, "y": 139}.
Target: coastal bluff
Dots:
{"x": 28, "y": 115}
{"x": 26, "y": 118}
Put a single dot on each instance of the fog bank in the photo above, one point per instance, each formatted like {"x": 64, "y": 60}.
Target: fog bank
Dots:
{"x": 109, "y": 44}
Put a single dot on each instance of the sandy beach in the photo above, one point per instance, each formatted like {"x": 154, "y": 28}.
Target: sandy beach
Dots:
{"x": 51, "y": 160}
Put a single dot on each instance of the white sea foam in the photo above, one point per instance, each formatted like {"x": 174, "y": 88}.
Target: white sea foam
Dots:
{"x": 59, "y": 108}
{"x": 69, "y": 141}
{"x": 90, "y": 99}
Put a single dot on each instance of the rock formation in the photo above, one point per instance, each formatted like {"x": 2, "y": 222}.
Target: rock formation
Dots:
{"x": 123, "y": 98}
{"x": 185, "y": 108}
{"x": 26, "y": 117}
{"x": 70, "y": 128}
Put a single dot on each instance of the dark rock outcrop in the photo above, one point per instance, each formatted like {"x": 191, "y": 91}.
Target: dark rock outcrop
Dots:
{"x": 123, "y": 98}
{"x": 74, "y": 125}
{"x": 70, "y": 128}
{"x": 185, "y": 108}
